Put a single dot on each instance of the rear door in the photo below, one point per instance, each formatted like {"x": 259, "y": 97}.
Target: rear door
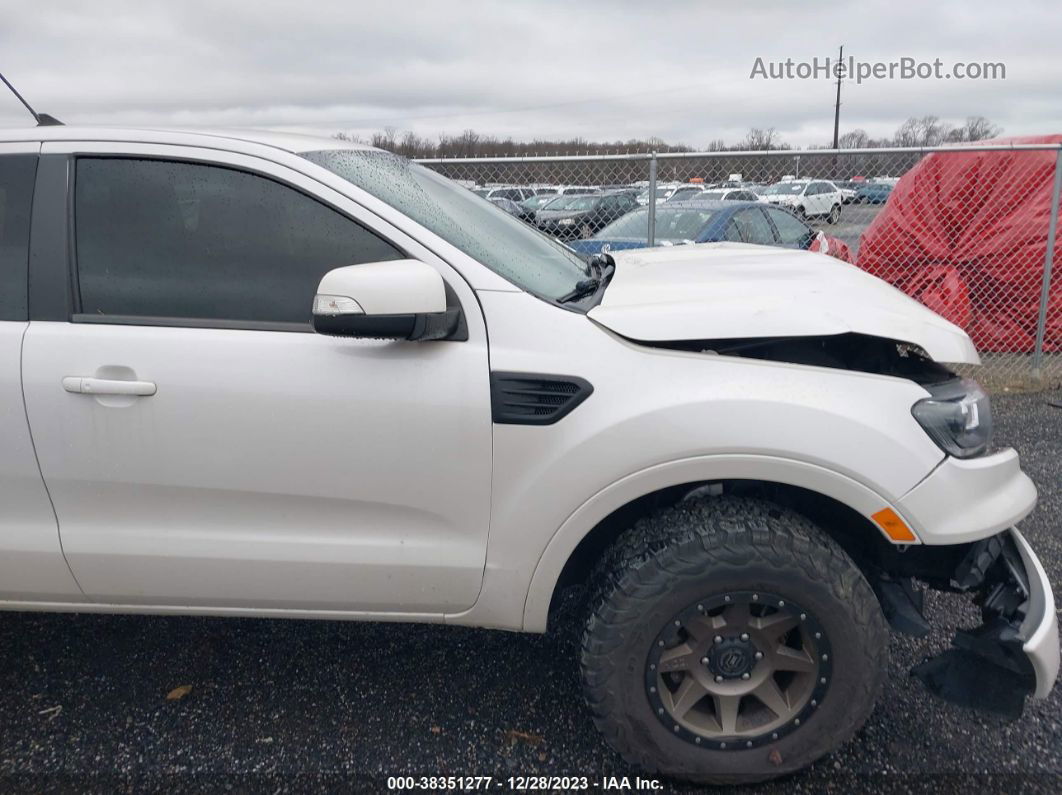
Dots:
{"x": 253, "y": 464}
{"x": 31, "y": 559}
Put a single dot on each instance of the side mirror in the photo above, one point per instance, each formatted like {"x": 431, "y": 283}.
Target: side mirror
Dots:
{"x": 399, "y": 300}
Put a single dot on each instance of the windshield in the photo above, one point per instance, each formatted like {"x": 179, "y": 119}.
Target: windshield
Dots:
{"x": 488, "y": 234}
{"x": 573, "y": 203}
{"x": 661, "y": 193}
{"x": 713, "y": 194}
{"x": 673, "y": 225}
{"x": 783, "y": 188}
{"x": 537, "y": 201}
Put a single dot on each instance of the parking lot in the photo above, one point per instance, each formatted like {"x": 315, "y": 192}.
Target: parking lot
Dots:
{"x": 296, "y": 705}
{"x": 854, "y": 219}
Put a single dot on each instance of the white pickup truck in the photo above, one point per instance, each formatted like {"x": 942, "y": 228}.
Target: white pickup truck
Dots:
{"x": 749, "y": 455}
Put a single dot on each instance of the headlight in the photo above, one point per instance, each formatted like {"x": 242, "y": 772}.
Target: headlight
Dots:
{"x": 958, "y": 417}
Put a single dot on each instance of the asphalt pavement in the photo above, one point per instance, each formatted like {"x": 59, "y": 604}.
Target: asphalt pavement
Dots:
{"x": 265, "y": 705}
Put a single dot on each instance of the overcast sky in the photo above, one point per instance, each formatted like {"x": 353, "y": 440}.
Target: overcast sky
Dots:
{"x": 537, "y": 68}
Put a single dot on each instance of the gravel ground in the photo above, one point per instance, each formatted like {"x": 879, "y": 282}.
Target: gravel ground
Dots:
{"x": 285, "y": 705}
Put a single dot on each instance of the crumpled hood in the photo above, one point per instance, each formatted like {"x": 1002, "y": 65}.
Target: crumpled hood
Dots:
{"x": 735, "y": 290}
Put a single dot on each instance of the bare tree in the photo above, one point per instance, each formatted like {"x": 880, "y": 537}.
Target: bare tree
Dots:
{"x": 922, "y": 131}
{"x": 975, "y": 128}
{"x": 757, "y": 139}
{"x": 854, "y": 139}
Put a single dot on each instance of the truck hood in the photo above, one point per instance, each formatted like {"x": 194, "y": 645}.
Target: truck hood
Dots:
{"x": 716, "y": 291}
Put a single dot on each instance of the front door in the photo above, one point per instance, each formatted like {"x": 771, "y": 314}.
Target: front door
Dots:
{"x": 253, "y": 464}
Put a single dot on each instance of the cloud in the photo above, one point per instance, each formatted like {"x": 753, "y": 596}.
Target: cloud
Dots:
{"x": 602, "y": 70}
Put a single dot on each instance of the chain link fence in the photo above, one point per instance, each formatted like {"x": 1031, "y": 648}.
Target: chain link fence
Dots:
{"x": 970, "y": 231}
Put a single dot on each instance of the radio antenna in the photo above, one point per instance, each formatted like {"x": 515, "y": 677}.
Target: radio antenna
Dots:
{"x": 42, "y": 119}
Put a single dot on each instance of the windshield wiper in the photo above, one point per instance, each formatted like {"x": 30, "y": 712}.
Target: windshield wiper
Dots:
{"x": 582, "y": 289}
{"x": 602, "y": 267}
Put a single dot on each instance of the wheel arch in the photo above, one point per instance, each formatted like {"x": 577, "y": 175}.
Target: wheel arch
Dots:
{"x": 810, "y": 488}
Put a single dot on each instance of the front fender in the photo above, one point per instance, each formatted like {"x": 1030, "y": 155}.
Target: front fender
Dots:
{"x": 772, "y": 469}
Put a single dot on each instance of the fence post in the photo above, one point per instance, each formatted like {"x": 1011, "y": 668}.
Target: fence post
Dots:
{"x": 652, "y": 200}
{"x": 1049, "y": 256}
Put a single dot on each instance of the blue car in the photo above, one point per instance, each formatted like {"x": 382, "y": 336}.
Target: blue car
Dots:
{"x": 873, "y": 193}
{"x": 702, "y": 221}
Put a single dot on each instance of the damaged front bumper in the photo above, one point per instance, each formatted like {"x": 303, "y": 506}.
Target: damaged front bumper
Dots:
{"x": 1014, "y": 653}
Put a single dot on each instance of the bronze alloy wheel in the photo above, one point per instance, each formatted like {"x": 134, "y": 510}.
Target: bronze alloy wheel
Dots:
{"x": 738, "y": 670}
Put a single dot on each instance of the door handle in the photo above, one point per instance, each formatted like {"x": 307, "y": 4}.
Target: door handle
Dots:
{"x": 82, "y": 385}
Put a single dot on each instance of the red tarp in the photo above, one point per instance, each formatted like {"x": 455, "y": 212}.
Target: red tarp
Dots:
{"x": 966, "y": 235}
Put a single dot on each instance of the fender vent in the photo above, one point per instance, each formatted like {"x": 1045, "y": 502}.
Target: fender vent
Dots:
{"x": 533, "y": 398}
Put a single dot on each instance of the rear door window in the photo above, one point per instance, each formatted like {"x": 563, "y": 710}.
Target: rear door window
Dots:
{"x": 791, "y": 232}
{"x": 754, "y": 227}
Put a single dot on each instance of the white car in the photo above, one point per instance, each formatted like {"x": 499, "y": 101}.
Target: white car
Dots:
{"x": 713, "y": 194}
{"x": 664, "y": 191}
{"x": 815, "y": 198}
{"x": 272, "y": 375}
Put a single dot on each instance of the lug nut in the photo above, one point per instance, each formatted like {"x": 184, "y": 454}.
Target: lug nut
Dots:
{"x": 704, "y": 660}
{"x": 758, "y": 655}
{"x": 744, "y": 636}
{"x": 745, "y": 675}
{"x": 718, "y": 678}
{"x": 717, "y": 639}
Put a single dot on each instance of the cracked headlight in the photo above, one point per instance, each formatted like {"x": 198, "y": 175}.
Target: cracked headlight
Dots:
{"x": 957, "y": 416}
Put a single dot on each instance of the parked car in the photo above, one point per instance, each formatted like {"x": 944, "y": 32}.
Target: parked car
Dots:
{"x": 848, "y": 189}
{"x": 536, "y": 203}
{"x": 702, "y": 221}
{"x": 663, "y": 192}
{"x": 744, "y": 453}
{"x": 711, "y": 194}
{"x": 575, "y": 216}
{"x": 510, "y": 193}
{"x": 514, "y": 208}
{"x": 810, "y": 198}
{"x": 577, "y": 190}
{"x": 874, "y": 193}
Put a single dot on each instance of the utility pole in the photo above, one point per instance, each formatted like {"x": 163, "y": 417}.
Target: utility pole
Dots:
{"x": 837, "y": 107}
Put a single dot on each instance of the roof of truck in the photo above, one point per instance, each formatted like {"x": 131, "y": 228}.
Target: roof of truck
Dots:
{"x": 289, "y": 142}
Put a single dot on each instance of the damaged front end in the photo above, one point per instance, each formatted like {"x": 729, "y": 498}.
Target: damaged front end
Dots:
{"x": 1013, "y": 653}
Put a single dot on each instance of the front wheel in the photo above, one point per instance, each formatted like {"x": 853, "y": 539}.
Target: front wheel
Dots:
{"x": 730, "y": 640}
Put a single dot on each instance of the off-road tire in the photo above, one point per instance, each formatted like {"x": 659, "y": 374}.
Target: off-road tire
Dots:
{"x": 682, "y": 554}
